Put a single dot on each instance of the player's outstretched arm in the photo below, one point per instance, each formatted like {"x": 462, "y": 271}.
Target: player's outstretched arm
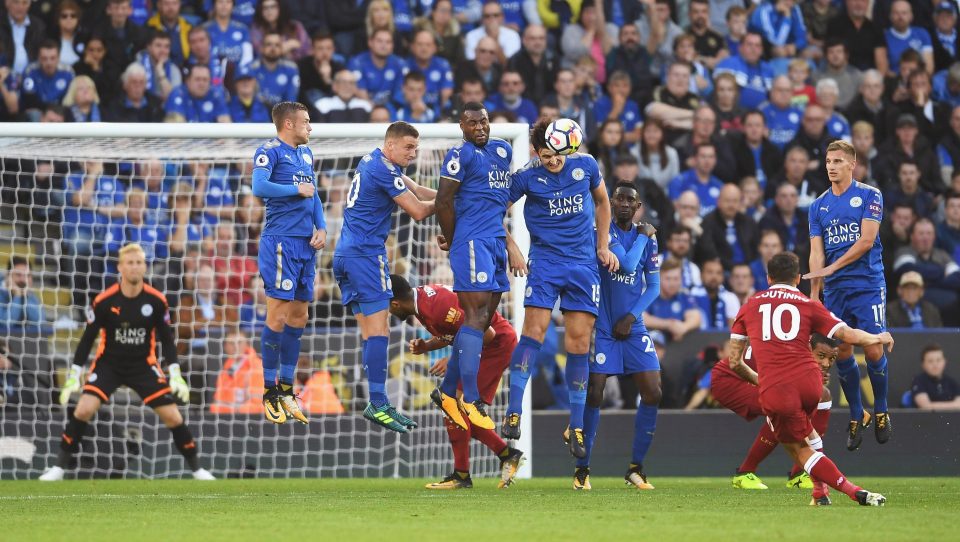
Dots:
{"x": 869, "y": 229}
{"x": 858, "y": 337}
{"x": 446, "y": 213}
{"x": 738, "y": 345}
{"x": 601, "y": 204}
{"x": 414, "y": 206}
{"x": 421, "y": 191}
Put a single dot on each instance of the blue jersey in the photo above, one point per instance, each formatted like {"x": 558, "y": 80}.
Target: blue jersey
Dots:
{"x": 513, "y": 13}
{"x": 484, "y": 177}
{"x": 291, "y": 216}
{"x": 838, "y": 127}
{"x": 218, "y": 69}
{"x": 782, "y": 123}
{"x": 707, "y": 192}
{"x": 151, "y": 236}
{"x": 370, "y": 204}
{"x": 620, "y": 291}
{"x": 403, "y": 112}
{"x": 630, "y": 116}
{"x": 140, "y": 12}
{"x": 754, "y": 81}
{"x": 49, "y": 89}
{"x": 280, "y": 84}
{"x": 672, "y": 308}
{"x": 204, "y": 109}
{"x": 524, "y": 109}
{"x": 778, "y": 29}
{"x": 232, "y": 43}
{"x": 837, "y": 220}
{"x": 257, "y": 111}
{"x": 381, "y": 84}
{"x": 439, "y": 77}
{"x": 402, "y": 16}
{"x": 915, "y": 38}
{"x": 243, "y": 10}
{"x": 559, "y": 208}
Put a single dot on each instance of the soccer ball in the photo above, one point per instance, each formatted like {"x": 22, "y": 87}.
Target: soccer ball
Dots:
{"x": 564, "y": 136}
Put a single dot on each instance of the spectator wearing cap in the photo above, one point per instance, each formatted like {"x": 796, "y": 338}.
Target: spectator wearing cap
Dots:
{"x": 910, "y": 310}
{"x": 908, "y": 190}
{"x": 728, "y": 233}
{"x": 346, "y": 104}
{"x": 933, "y": 389}
{"x": 754, "y": 154}
{"x": 931, "y": 116}
{"x": 870, "y": 105}
{"x": 902, "y": 36}
{"x": 836, "y": 66}
{"x": 134, "y": 104}
{"x": 941, "y": 274}
{"x": 868, "y": 48}
{"x": 245, "y": 104}
{"x": 905, "y": 144}
{"x": 946, "y": 48}
{"x": 754, "y": 76}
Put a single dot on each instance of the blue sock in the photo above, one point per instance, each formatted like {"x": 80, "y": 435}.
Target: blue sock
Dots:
{"x": 289, "y": 353}
{"x": 577, "y": 373}
{"x": 375, "y": 364}
{"x": 878, "y": 380}
{"x": 469, "y": 345}
{"x": 591, "y": 422}
{"x": 521, "y": 365}
{"x": 270, "y": 351}
{"x": 451, "y": 378}
{"x": 849, "y": 375}
{"x": 644, "y": 426}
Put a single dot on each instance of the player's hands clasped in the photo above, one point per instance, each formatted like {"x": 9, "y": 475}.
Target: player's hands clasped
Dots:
{"x": 608, "y": 259}
{"x": 72, "y": 384}
{"x": 178, "y": 386}
{"x": 306, "y": 190}
{"x": 319, "y": 239}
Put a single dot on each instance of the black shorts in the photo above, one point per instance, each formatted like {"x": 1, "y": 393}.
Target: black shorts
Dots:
{"x": 147, "y": 379}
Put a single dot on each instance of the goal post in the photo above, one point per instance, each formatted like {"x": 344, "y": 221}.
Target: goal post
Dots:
{"x": 46, "y": 187}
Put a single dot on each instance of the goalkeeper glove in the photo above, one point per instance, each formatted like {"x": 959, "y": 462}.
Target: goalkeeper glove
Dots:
{"x": 71, "y": 385}
{"x": 178, "y": 386}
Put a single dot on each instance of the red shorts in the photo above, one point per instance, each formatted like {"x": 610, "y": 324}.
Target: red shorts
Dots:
{"x": 494, "y": 360}
{"x": 735, "y": 394}
{"x": 789, "y": 406}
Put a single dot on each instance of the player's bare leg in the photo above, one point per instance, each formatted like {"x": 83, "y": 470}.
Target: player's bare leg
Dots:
{"x": 645, "y": 423}
{"x": 822, "y": 468}
{"x": 578, "y": 328}
{"x": 86, "y": 409}
{"x": 182, "y": 439}
{"x": 375, "y": 333}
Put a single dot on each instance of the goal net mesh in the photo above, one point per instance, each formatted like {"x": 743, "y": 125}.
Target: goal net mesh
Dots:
{"x": 67, "y": 206}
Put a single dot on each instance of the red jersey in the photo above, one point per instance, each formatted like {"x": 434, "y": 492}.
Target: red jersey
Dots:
{"x": 438, "y": 309}
{"x": 779, "y": 322}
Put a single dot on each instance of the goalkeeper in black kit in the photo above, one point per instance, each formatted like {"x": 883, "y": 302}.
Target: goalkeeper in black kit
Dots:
{"x": 129, "y": 318}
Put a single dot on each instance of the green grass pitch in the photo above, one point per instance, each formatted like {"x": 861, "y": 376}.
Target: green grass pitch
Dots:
{"x": 701, "y": 509}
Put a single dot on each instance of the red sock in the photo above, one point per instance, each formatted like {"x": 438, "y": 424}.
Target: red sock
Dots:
{"x": 460, "y": 442}
{"x": 819, "y": 488}
{"x": 821, "y": 468}
{"x": 489, "y": 438}
{"x": 765, "y": 443}
{"x": 821, "y": 418}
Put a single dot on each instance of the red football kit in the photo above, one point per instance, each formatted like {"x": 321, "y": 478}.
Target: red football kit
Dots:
{"x": 778, "y": 322}
{"x": 733, "y": 392}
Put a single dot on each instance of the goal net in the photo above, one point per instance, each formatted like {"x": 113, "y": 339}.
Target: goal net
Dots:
{"x": 73, "y": 194}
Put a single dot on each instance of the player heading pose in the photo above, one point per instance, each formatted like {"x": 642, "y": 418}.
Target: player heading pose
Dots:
{"x": 623, "y": 345}
{"x": 360, "y": 263}
{"x": 438, "y": 309}
{"x": 778, "y": 323}
{"x": 567, "y": 212}
{"x": 847, "y": 264}
{"x": 128, "y": 317}
{"x": 295, "y": 229}
{"x": 471, "y": 204}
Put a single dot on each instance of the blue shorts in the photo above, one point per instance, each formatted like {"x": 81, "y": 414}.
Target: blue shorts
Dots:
{"x": 576, "y": 284}
{"x": 634, "y": 355}
{"x": 859, "y": 308}
{"x": 480, "y": 265}
{"x": 364, "y": 282}
{"x": 288, "y": 266}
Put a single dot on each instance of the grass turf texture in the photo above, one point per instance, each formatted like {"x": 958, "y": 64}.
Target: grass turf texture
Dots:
{"x": 532, "y": 510}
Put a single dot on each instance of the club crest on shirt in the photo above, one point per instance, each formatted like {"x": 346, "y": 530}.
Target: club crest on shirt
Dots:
{"x": 287, "y": 284}
{"x": 146, "y": 310}
{"x": 856, "y": 201}
{"x": 578, "y": 174}
{"x": 601, "y": 358}
{"x": 501, "y": 152}
{"x": 481, "y": 277}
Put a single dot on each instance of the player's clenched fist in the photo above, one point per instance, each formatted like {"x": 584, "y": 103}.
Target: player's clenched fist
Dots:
{"x": 417, "y": 346}
{"x": 306, "y": 190}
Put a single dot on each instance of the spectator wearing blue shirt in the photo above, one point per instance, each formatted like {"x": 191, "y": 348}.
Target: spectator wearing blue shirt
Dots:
{"x": 828, "y": 93}
{"x": 699, "y": 179}
{"x": 902, "y": 36}
{"x": 435, "y": 69}
{"x": 278, "y": 78}
{"x": 245, "y": 103}
{"x": 718, "y": 305}
{"x": 18, "y": 305}
{"x": 674, "y": 312}
{"x": 45, "y": 81}
{"x": 946, "y": 86}
{"x": 413, "y": 108}
{"x": 684, "y": 50}
{"x": 510, "y": 98}
{"x": 379, "y": 72}
{"x": 197, "y": 100}
{"x": 728, "y": 233}
{"x": 230, "y": 39}
{"x": 162, "y": 74}
{"x": 618, "y": 105}
{"x": 770, "y": 245}
{"x": 151, "y": 177}
{"x": 780, "y": 23}
{"x": 137, "y": 228}
{"x": 753, "y": 75}
{"x": 754, "y": 154}
{"x": 201, "y": 53}
{"x": 948, "y": 231}
{"x": 788, "y": 222}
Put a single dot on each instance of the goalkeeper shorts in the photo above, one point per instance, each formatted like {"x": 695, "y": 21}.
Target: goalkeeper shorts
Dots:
{"x": 147, "y": 379}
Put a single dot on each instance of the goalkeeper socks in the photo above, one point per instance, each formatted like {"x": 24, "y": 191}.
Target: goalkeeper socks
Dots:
{"x": 460, "y": 442}
{"x": 187, "y": 446}
{"x": 289, "y": 354}
{"x": 877, "y": 371}
{"x": 762, "y": 446}
{"x": 821, "y": 418}
{"x": 849, "y": 375}
{"x": 469, "y": 345}
{"x": 451, "y": 378}
{"x": 270, "y": 351}
{"x": 644, "y": 425}
{"x": 819, "y": 467}
{"x": 577, "y": 372}
{"x": 70, "y": 441}
{"x": 521, "y": 365}
{"x": 375, "y": 364}
{"x": 591, "y": 421}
